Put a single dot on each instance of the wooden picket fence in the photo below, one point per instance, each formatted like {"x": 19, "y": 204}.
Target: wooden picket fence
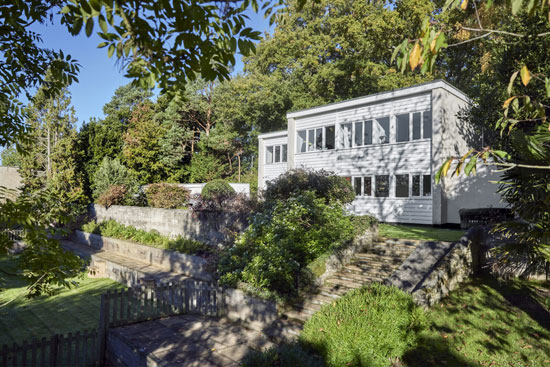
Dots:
{"x": 118, "y": 308}
{"x": 78, "y": 349}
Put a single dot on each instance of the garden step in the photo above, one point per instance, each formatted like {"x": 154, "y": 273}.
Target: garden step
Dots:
{"x": 319, "y": 299}
{"x": 350, "y": 284}
{"x": 380, "y": 259}
{"x": 387, "y": 251}
{"x": 333, "y": 291}
{"x": 359, "y": 279}
{"x": 307, "y": 307}
{"x": 363, "y": 275}
{"x": 366, "y": 269}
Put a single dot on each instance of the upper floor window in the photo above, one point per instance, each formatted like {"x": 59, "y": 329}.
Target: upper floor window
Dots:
{"x": 321, "y": 138}
{"x": 276, "y": 154}
{"x": 413, "y": 126}
{"x": 366, "y": 132}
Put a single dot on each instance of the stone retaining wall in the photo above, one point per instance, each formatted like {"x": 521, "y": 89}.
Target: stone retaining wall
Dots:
{"x": 172, "y": 261}
{"x": 208, "y": 227}
{"x": 433, "y": 269}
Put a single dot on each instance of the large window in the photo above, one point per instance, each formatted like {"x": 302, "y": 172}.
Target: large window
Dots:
{"x": 345, "y": 135}
{"x": 276, "y": 153}
{"x": 426, "y": 185}
{"x": 382, "y": 186}
{"x": 415, "y": 185}
{"x": 402, "y": 127}
{"x": 381, "y": 130}
{"x": 362, "y": 186}
{"x": 401, "y": 186}
{"x": 311, "y": 140}
{"x": 427, "y": 124}
{"x": 362, "y": 133}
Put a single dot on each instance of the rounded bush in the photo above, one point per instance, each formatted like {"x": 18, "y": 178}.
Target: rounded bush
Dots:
{"x": 167, "y": 196}
{"x": 217, "y": 191}
{"x": 323, "y": 183}
{"x": 114, "y": 195}
{"x": 367, "y": 327}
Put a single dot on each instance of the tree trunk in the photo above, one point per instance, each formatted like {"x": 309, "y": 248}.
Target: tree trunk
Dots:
{"x": 239, "y": 160}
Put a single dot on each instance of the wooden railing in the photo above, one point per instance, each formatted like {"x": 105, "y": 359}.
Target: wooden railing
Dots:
{"x": 78, "y": 349}
{"x": 118, "y": 308}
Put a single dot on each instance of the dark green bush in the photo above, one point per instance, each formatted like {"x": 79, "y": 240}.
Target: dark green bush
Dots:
{"x": 366, "y": 327}
{"x": 217, "y": 191}
{"x": 284, "y": 355}
{"x": 322, "y": 183}
{"x": 114, "y": 195}
{"x": 281, "y": 241}
{"x": 111, "y": 228}
{"x": 167, "y": 196}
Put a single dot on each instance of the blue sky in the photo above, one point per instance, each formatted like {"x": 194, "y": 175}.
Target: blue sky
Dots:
{"x": 99, "y": 76}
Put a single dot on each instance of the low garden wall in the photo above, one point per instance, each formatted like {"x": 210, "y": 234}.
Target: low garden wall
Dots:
{"x": 433, "y": 269}
{"x": 172, "y": 261}
{"x": 207, "y": 227}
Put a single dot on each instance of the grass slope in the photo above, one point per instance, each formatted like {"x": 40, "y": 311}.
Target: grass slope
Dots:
{"x": 66, "y": 311}
{"x": 488, "y": 323}
{"x": 425, "y": 233}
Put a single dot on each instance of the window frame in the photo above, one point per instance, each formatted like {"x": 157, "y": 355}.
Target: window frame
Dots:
{"x": 409, "y": 186}
{"x": 313, "y": 131}
{"x": 274, "y": 147}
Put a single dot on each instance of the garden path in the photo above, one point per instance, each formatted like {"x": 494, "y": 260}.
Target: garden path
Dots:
{"x": 186, "y": 340}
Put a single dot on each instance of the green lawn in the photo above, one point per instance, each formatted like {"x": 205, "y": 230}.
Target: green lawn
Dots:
{"x": 487, "y": 323}
{"x": 411, "y": 232}
{"x": 68, "y": 310}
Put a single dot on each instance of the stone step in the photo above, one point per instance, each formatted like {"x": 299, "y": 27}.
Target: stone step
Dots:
{"x": 358, "y": 278}
{"x": 345, "y": 283}
{"x": 352, "y": 273}
{"x": 388, "y": 251}
{"x": 333, "y": 291}
{"x": 319, "y": 299}
{"x": 363, "y": 268}
{"x": 394, "y": 244}
{"x": 376, "y": 259}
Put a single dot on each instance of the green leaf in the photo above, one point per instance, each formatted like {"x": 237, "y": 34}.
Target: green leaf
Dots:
{"x": 89, "y": 26}
{"x": 547, "y": 85}
{"x": 103, "y": 44}
{"x": 516, "y": 6}
{"x": 111, "y": 50}
{"x": 102, "y": 23}
{"x": 471, "y": 165}
{"x": 501, "y": 154}
{"x": 511, "y": 84}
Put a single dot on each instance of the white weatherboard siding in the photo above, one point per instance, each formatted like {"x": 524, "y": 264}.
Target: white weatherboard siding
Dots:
{"x": 271, "y": 170}
{"x": 401, "y": 210}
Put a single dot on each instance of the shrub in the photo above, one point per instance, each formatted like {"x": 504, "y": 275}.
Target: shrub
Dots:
{"x": 217, "y": 191}
{"x": 284, "y": 355}
{"x": 167, "y": 196}
{"x": 111, "y": 228}
{"x": 112, "y": 172}
{"x": 279, "y": 243}
{"x": 366, "y": 327}
{"x": 323, "y": 183}
{"x": 114, "y": 195}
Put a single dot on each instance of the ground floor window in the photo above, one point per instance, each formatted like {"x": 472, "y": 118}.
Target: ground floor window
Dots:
{"x": 382, "y": 186}
{"x": 276, "y": 153}
{"x": 362, "y": 186}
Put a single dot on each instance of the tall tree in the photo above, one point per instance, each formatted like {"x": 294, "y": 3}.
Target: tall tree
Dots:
{"x": 10, "y": 156}
{"x": 513, "y": 40}
{"x": 142, "y": 145}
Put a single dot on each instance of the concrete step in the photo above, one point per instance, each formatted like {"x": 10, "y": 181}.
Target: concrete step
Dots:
{"x": 388, "y": 251}
{"x": 120, "y": 268}
{"x": 365, "y": 276}
{"x": 333, "y": 291}
{"x": 345, "y": 283}
{"x": 359, "y": 278}
{"x": 369, "y": 269}
{"x": 375, "y": 259}
{"x": 295, "y": 315}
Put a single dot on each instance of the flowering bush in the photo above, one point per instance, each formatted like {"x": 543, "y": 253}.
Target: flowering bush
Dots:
{"x": 114, "y": 195}
{"x": 167, "y": 196}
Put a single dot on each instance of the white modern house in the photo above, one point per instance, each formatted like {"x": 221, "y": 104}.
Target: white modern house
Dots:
{"x": 389, "y": 146}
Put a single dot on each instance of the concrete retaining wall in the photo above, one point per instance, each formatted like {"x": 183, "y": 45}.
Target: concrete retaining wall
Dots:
{"x": 172, "y": 261}
{"x": 208, "y": 227}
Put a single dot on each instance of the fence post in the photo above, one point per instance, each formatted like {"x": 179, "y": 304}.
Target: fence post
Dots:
{"x": 54, "y": 346}
{"x": 103, "y": 325}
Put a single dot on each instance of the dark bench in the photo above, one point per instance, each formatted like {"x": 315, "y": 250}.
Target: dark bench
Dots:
{"x": 484, "y": 216}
